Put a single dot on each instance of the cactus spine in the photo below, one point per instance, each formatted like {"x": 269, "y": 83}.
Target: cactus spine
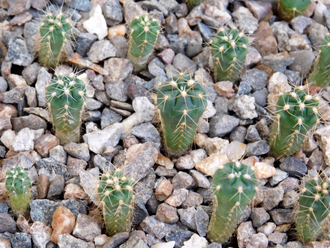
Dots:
{"x": 55, "y": 34}
{"x": 313, "y": 209}
{"x": 66, "y": 97}
{"x": 320, "y": 75}
{"x": 289, "y": 9}
{"x": 18, "y": 184}
{"x": 116, "y": 194}
{"x": 234, "y": 185}
{"x": 296, "y": 113}
{"x": 228, "y": 52}
{"x": 144, "y": 32}
{"x": 181, "y": 101}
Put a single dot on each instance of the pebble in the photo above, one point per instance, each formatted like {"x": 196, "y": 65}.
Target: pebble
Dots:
{"x": 183, "y": 180}
{"x": 13, "y": 96}
{"x": 322, "y": 135}
{"x": 200, "y": 179}
{"x": 156, "y": 227}
{"x": 21, "y": 240}
{"x": 45, "y": 143}
{"x": 183, "y": 64}
{"x": 18, "y": 53}
{"x": 63, "y": 223}
{"x": 164, "y": 245}
{"x": 278, "y": 177}
{"x": 293, "y": 167}
{"x": 147, "y": 132}
{"x": 195, "y": 241}
{"x": 167, "y": 213}
{"x": 257, "y": 148}
{"x": 24, "y": 140}
{"x": 259, "y": 216}
{"x": 67, "y": 240}
{"x": 75, "y": 191}
{"x": 43, "y": 79}
{"x": 56, "y": 186}
{"x": 101, "y": 50}
{"x": 290, "y": 199}
{"x": 256, "y": 240}
{"x": 86, "y": 228}
{"x": 278, "y": 238}
{"x": 118, "y": 69}
{"x": 22, "y": 224}
{"x": 225, "y": 89}
{"x": 272, "y": 197}
{"x": 5, "y": 243}
{"x": 112, "y": 12}
{"x": 42, "y": 186}
{"x": 300, "y": 22}
{"x": 193, "y": 199}
{"x": 163, "y": 190}
{"x": 96, "y": 24}
{"x": 267, "y": 228}
{"x": 316, "y": 33}
{"x": 259, "y": 9}
{"x": 134, "y": 241}
{"x": 257, "y": 79}
{"x": 221, "y": 125}
{"x": 115, "y": 240}
{"x": 40, "y": 234}
{"x": 8, "y": 224}
{"x": 177, "y": 197}
{"x": 265, "y": 40}
{"x": 244, "y": 231}
{"x": 78, "y": 150}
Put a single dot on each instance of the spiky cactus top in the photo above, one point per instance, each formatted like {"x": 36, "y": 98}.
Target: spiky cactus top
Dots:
{"x": 228, "y": 51}
{"x": 55, "y": 34}
{"x": 234, "y": 186}
{"x": 116, "y": 194}
{"x": 320, "y": 75}
{"x": 66, "y": 97}
{"x": 143, "y": 35}
{"x": 296, "y": 113}
{"x": 288, "y": 9}
{"x": 18, "y": 184}
{"x": 313, "y": 208}
{"x": 181, "y": 101}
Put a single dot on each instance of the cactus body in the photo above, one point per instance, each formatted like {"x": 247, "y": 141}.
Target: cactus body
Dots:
{"x": 18, "y": 184}
{"x": 313, "y": 209}
{"x": 55, "y": 33}
{"x": 296, "y": 113}
{"x": 288, "y": 9}
{"x": 116, "y": 194}
{"x": 144, "y": 32}
{"x": 320, "y": 75}
{"x": 66, "y": 97}
{"x": 234, "y": 186}
{"x": 181, "y": 101}
{"x": 193, "y": 3}
{"x": 228, "y": 51}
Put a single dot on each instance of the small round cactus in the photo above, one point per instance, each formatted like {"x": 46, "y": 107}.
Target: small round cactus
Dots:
{"x": 116, "y": 194}
{"x": 181, "y": 101}
{"x": 288, "y": 9}
{"x": 66, "y": 97}
{"x": 18, "y": 184}
{"x": 144, "y": 31}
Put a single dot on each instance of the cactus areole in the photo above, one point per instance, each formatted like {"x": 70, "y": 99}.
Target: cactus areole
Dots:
{"x": 289, "y": 9}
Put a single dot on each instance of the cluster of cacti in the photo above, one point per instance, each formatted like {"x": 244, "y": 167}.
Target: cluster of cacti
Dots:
{"x": 234, "y": 186}
{"x": 54, "y": 39}
{"x": 320, "y": 75}
{"x": 296, "y": 113}
{"x": 228, "y": 51}
{"x": 66, "y": 97}
{"x": 144, "y": 31}
{"x": 313, "y": 208}
{"x": 116, "y": 195}
{"x": 181, "y": 101}
{"x": 18, "y": 184}
{"x": 288, "y": 9}
{"x": 193, "y": 3}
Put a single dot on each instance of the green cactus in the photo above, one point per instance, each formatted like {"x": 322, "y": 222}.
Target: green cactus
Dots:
{"x": 313, "y": 208}
{"x": 289, "y": 9}
{"x": 296, "y": 113}
{"x": 193, "y": 3}
{"x": 234, "y": 186}
{"x": 66, "y": 97}
{"x": 18, "y": 184}
{"x": 143, "y": 35}
{"x": 116, "y": 195}
{"x": 320, "y": 75}
{"x": 228, "y": 51}
{"x": 54, "y": 39}
{"x": 181, "y": 101}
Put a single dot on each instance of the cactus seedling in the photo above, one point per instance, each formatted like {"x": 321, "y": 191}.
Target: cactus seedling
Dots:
{"x": 288, "y": 9}
{"x": 228, "y": 51}
{"x": 18, "y": 184}
{"x": 54, "y": 39}
{"x": 296, "y": 113}
{"x": 234, "y": 185}
{"x": 313, "y": 209}
{"x": 320, "y": 75}
{"x": 144, "y": 32}
{"x": 66, "y": 97}
{"x": 116, "y": 194}
{"x": 181, "y": 101}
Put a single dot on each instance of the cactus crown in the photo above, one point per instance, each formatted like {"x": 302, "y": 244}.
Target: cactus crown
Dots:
{"x": 18, "y": 184}
{"x": 116, "y": 194}
{"x": 181, "y": 101}
{"x": 234, "y": 186}
{"x": 313, "y": 209}
{"x": 296, "y": 113}
{"x": 228, "y": 51}
{"x": 144, "y": 31}
{"x": 55, "y": 34}
{"x": 66, "y": 97}
{"x": 288, "y": 9}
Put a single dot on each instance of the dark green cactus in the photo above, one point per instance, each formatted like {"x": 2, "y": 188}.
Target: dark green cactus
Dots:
{"x": 234, "y": 186}
{"x": 289, "y": 9}
{"x": 296, "y": 113}
{"x": 18, "y": 184}
{"x": 116, "y": 194}
{"x": 193, "y": 3}
{"x": 55, "y": 39}
{"x": 320, "y": 75}
{"x": 313, "y": 208}
{"x": 228, "y": 51}
{"x": 181, "y": 101}
{"x": 66, "y": 97}
{"x": 143, "y": 35}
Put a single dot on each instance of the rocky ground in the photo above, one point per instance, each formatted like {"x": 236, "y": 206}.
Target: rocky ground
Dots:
{"x": 173, "y": 197}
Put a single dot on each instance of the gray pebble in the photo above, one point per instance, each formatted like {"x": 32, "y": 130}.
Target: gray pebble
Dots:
{"x": 302, "y": 61}
{"x": 21, "y": 240}
{"x": 53, "y": 166}
{"x": 294, "y": 167}
{"x": 200, "y": 179}
{"x": 121, "y": 44}
{"x": 179, "y": 236}
{"x": 31, "y": 121}
{"x": 30, "y": 73}
{"x": 238, "y": 134}
{"x": 117, "y": 240}
{"x": 283, "y": 216}
{"x": 177, "y": 44}
{"x": 257, "y": 148}
{"x": 83, "y": 5}
{"x": 260, "y": 97}
{"x": 101, "y": 50}
{"x": 7, "y": 223}
{"x": 259, "y": 216}
{"x": 18, "y": 53}
{"x": 256, "y": 78}
{"x": 147, "y": 132}
{"x": 112, "y": 12}
{"x": 183, "y": 64}
{"x": 222, "y": 125}
{"x": 252, "y": 134}
{"x": 244, "y": 88}
{"x": 109, "y": 117}
{"x": 84, "y": 43}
